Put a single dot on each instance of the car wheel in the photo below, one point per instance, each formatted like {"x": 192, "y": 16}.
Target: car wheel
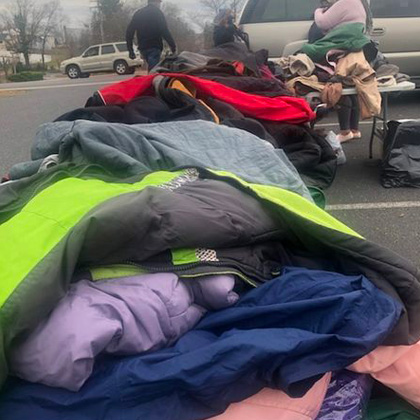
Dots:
{"x": 131, "y": 70}
{"x": 121, "y": 67}
{"x": 73, "y": 72}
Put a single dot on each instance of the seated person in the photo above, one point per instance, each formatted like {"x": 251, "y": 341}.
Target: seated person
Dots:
{"x": 225, "y": 30}
{"x": 329, "y": 16}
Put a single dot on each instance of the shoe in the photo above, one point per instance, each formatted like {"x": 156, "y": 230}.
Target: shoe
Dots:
{"x": 344, "y": 138}
{"x": 357, "y": 134}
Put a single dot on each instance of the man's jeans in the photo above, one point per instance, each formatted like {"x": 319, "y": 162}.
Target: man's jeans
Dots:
{"x": 152, "y": 57}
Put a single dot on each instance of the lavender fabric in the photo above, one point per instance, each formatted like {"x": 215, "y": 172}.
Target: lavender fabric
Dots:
{"x": 127, "y": 316}
{"x": 347, "y": 397}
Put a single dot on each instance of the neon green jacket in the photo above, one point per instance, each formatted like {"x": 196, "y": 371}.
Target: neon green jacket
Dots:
{"x": 72, "y": 218}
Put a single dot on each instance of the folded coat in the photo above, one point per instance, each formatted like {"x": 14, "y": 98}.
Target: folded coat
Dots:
{"x": 301, "y": 65}
{"x": 309, "y": 152}
{"x": 400, "y": 164}
{"x": 397, "y": 368}
{"x": 296, "y": 65}
{"x": 354, "y": 67}
{"x": 285, "y": 334}
{"x": 254, "y": 85}
{"x": 331, "y": 94}
{"x": 225, "y": 54}
{"x": 124, "y": 316}
{"x": 174, "y": 105}
{"x": 281, "y": 109}
{"x": 303, "y": 85}
{"x": 149, "y": 109}
{"x": 144, "y": 110}
{"x": 129, "y": 150}
{"x": 349, "y": 37}
{"x": 239, "y": 52}
{"x": 271, "y": 404}
{"x": 190, "y": 222}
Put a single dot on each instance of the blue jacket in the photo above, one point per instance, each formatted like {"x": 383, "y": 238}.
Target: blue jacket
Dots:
{"x": 285, "y": 334}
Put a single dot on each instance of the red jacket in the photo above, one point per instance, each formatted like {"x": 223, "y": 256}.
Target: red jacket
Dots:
{"x": 281, "y": 108}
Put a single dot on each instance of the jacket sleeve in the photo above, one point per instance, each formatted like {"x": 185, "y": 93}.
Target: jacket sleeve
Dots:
{"x": 129, "y": 36}
{"x": 166, "y": 34}
{"x": 330, "y": 18}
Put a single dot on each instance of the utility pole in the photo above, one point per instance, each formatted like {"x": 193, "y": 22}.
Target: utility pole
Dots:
{"x": 95, "y": 4}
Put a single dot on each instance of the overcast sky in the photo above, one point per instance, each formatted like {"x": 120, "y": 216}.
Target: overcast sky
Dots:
{"x": 77, "y": 11}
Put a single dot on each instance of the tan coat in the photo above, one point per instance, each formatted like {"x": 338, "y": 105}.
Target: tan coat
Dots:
{"x": 357, "y": 71}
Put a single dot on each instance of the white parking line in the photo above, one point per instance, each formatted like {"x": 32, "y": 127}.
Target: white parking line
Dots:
{"x": 375, "y": 206}
{"x": 56, "y": 86}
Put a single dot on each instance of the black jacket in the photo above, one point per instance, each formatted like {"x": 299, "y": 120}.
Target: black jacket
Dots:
{"x": 151, "y": 27}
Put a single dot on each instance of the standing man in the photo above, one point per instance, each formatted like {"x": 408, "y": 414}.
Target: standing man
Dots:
{"x": 151, "y": 27}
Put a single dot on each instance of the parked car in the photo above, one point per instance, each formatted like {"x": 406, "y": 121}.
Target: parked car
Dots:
{"x": 282, "y": 26}
{"x": 101, "y": 58}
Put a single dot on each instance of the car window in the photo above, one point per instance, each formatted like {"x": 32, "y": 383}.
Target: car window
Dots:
{"x": 108, "y": 49}
{"x": 395, "y": 8}
{"x": 301, "y": 9}
{"x": 122, "y": 47}
{"x": 91, "y": 52}
{"x": 274, "y": 10}
{"x": 259, "y": 11}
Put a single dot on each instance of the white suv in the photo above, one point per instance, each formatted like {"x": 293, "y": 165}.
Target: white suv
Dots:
{"x": 282, "y": 26}
{"x": 101, "y": 58}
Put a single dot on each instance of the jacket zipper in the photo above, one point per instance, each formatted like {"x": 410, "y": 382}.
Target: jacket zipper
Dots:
{"x": 187, "y": 267}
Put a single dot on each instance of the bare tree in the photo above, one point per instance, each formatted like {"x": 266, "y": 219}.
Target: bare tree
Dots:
{"x": 181, "y": 29}
{"x": 110, "y": 19}
{"x": 23, "y": 21}
{"x": 135, "y": 4}
{"x": 236, "y": 7}
{"x": 214, "y": 6}
{"x": 77, "y": 42}
{"x": 50, "y": 23}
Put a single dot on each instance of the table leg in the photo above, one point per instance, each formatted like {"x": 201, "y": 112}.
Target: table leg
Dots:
{"x": 385, "y": 115}
{"x": 384, "y": 118}
{"x": 372, "y": 137}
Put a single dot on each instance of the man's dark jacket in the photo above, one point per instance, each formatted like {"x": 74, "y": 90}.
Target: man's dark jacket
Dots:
{"x": 151, "y": 27}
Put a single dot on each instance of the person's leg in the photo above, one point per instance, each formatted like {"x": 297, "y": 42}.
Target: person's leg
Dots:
{"x": 153, "y": 59}
{"x": 344, "y": 112}
{"x": 355, "y": 118}
{"x": 145, "y": 56}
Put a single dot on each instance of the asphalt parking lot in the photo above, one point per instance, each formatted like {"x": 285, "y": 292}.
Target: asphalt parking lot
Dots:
{"x": 390, "y": 217}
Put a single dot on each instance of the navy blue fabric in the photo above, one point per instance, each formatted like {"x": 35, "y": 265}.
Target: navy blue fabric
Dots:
{"x": 285, "y": 334}
{"x": 152, "y": 57}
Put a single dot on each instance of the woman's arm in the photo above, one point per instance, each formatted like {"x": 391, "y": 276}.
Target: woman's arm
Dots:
{"x": 328, "y": 19}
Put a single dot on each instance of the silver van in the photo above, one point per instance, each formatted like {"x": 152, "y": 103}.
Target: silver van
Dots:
{"x": 282, "y": 27}
{"x": 101, "y": 58}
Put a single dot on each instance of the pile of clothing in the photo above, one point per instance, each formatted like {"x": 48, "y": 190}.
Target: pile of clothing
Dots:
{"x": 160, "y": 260}
{"x": 193, "y": 87}
{"x": 343, "y": 58}
{"x": 400, "y": 163}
